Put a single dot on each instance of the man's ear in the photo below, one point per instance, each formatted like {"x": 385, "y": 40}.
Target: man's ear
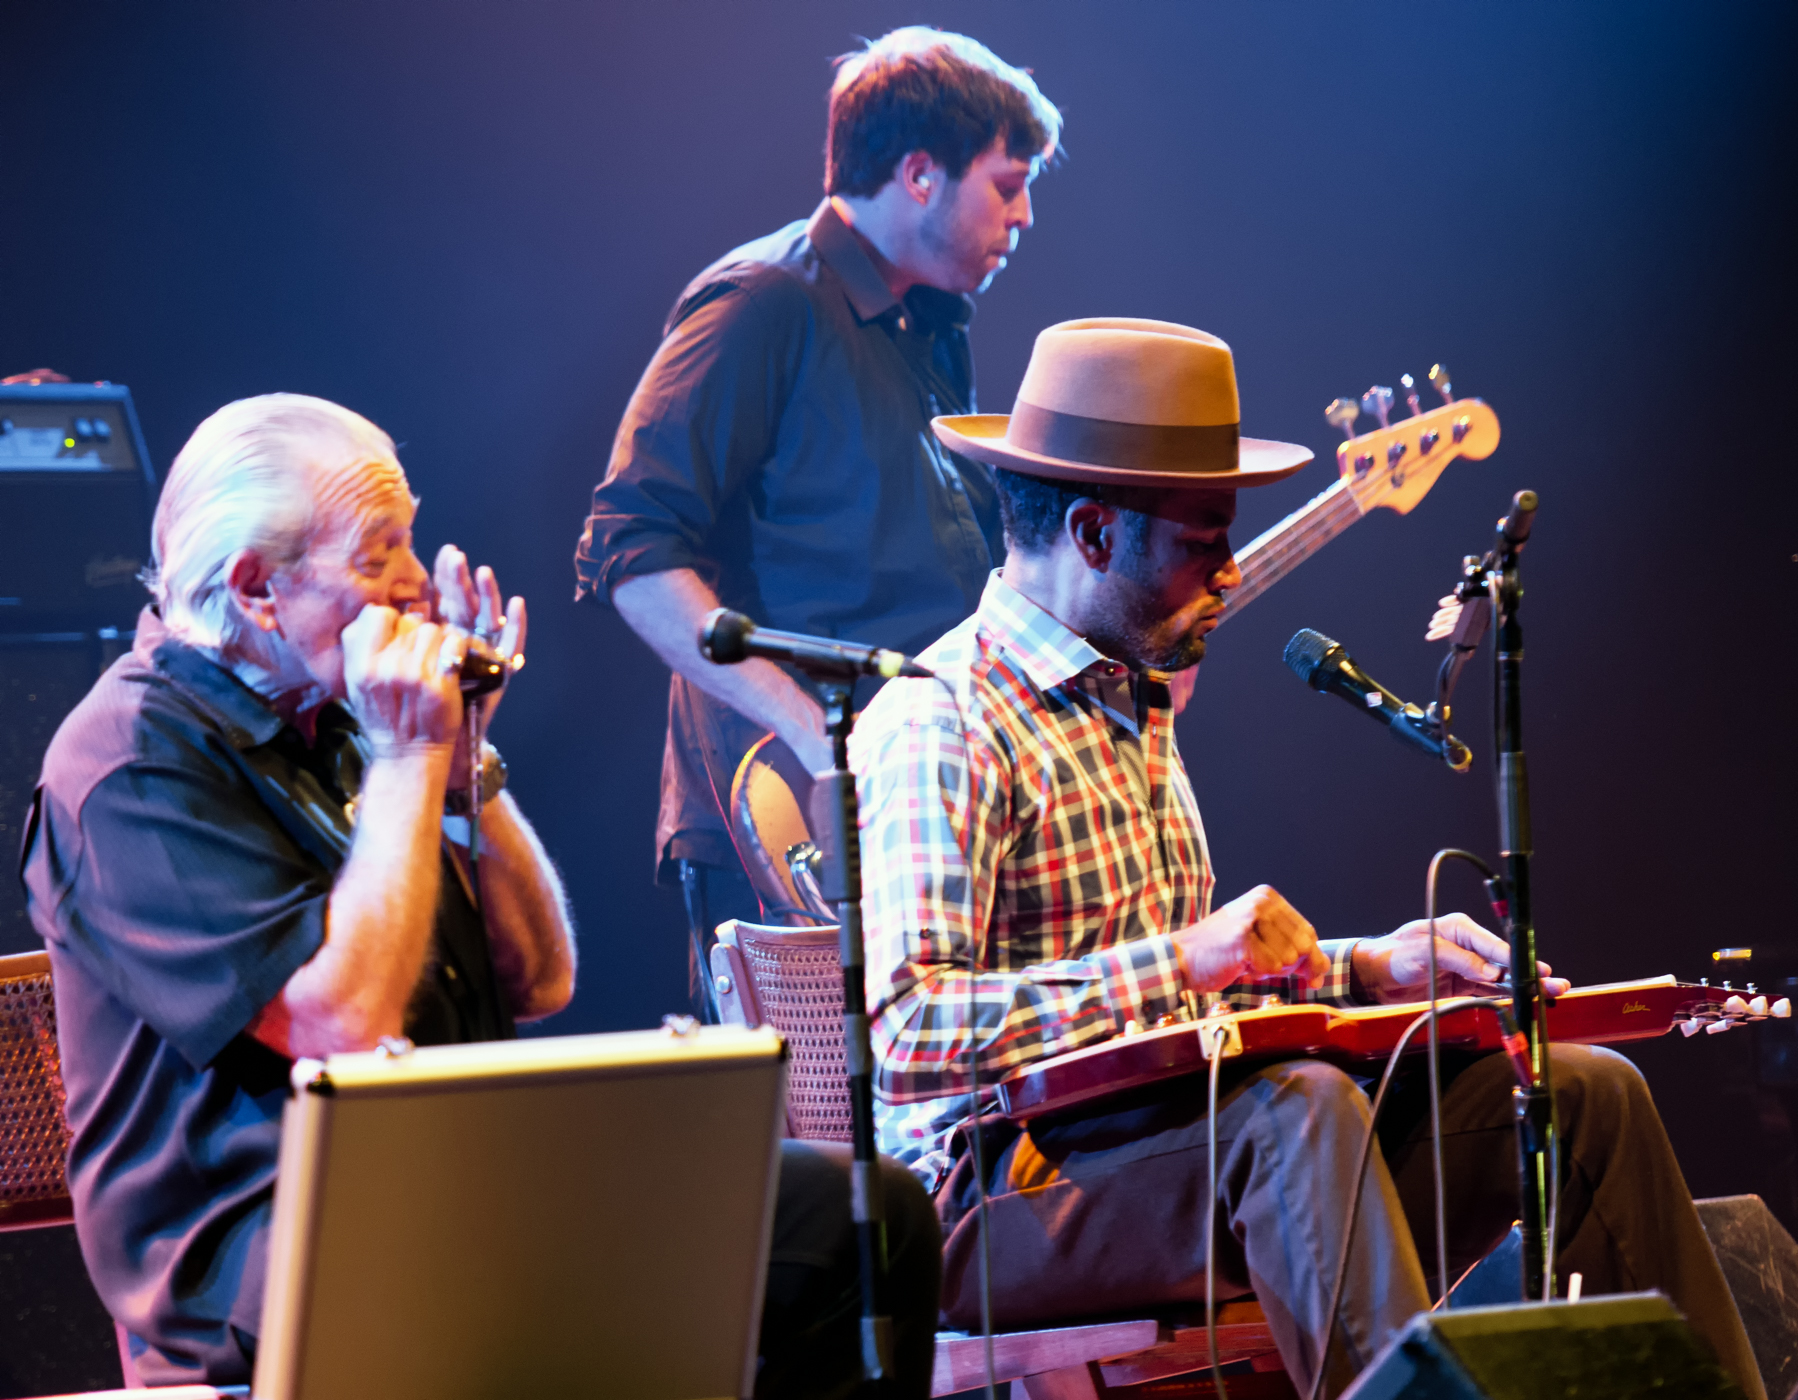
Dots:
{"x": 248, "y": 576}
{"x": 1092, "y": 528}
{"x": 919, "y": 176}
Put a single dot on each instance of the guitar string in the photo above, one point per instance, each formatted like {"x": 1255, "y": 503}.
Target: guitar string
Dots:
{"x": 1295, "y": 539}
{"x": 1317, "y": 522}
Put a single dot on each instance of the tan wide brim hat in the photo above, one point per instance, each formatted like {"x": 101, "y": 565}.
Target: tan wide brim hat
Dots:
{"x": 1131, "y": 402}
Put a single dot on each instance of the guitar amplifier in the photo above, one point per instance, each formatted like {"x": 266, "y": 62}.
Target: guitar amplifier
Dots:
{"x": 76, "y": 495}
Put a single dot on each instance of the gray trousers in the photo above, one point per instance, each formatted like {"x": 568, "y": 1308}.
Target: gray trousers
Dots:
{"x": 1104, "y": 1212}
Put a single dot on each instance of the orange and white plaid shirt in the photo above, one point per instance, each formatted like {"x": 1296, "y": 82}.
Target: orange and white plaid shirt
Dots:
{"x": 1039, "y": 828}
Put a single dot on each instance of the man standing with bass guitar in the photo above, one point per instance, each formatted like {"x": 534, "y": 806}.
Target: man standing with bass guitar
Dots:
{"x": 777, "y": 456}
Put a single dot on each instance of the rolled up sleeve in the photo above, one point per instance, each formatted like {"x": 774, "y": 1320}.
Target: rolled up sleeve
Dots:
{"x": 704, "y": 418}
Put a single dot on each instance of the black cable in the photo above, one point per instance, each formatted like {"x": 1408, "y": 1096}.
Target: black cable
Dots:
{"x": 1554, "y": 1138}
{"x": 473, "y": 735}
{"x": 1217, "y": 1060}
{"x": 1367, "y": 1141}
{"x": 1429, "y": 898}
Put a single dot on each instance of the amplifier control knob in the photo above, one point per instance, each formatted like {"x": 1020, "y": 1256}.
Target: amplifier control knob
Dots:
{"x": 102, "y": 430}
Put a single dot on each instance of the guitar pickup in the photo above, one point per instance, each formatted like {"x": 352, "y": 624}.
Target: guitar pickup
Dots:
{"x": 1212, "y": 1045}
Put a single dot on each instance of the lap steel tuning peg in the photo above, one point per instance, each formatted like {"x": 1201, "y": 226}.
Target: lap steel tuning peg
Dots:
{"x": 1439, "y": 381}
{"x": 1342, "y": 413}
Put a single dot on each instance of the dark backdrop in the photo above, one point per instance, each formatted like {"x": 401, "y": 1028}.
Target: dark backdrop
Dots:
{"x": 468, "y": 221}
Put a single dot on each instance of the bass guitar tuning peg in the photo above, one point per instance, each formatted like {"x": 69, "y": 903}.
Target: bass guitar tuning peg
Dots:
{"x": 1378, "y": 401}
{"x": 1342, "y": 413}
{"x": 1439, "y": 381}
{"x": 1411, "y": 395}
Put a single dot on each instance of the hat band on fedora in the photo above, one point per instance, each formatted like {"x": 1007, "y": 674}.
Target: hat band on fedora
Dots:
{"x": 1132, "y": 446}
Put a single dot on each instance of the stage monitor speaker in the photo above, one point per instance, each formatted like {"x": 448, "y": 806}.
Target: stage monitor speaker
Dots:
{"x": 1760, "y": 1263}
{"x": 76, "y": 493}
{"x": 43, "y": 676}
{"x": 1627, "y": 1345}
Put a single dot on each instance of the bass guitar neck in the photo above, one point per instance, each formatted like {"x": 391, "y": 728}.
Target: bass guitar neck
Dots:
{"x": 1276, "y": 552}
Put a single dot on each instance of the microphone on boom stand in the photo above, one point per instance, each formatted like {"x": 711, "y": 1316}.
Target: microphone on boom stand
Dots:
{"x": 1323, "y": 665}
{"x": 726, "y": 638}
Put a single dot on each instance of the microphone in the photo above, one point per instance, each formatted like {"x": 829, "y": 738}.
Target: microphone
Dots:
{"x": 1514, "y": 529}
{"x": 727, "y": 637}
{"x": 1323, "y": 665}
{"x": 482, "y": 671}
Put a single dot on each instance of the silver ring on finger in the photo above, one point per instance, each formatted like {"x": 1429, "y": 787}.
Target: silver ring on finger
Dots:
{"x": 449, "y": 659}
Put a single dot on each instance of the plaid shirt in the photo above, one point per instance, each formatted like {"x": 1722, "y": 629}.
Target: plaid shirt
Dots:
{"x": 1046, "y": 834}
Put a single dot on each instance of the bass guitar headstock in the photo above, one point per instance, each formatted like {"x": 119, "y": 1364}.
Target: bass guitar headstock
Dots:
{"x": 1396, "y": 465}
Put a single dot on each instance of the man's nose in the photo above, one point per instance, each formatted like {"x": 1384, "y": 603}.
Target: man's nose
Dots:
{"x": 409, "y": 587}
{"x": 1230, "y": 576}
{"x": 1025, "y": 215}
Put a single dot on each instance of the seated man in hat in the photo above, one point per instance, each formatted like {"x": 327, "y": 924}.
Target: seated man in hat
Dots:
{"x": 241, "y": 852}
{"x": 1036, "y": 877}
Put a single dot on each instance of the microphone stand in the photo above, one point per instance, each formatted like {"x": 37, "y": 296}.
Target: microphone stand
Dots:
{"x": 1534, "y": 1105}
{"x": 728, "y": 637}
{"x": 836, "y": 824}
{"x": 1490, "y": 588}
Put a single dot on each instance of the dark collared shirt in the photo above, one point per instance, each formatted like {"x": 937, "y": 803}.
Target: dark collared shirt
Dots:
{"x": 178, "y": 861}
{"x": 779, "y": 444}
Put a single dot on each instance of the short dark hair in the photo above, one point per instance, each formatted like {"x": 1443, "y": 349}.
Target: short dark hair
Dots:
{"x": 923, "y": 89}
{"x": 1033, "y": 508}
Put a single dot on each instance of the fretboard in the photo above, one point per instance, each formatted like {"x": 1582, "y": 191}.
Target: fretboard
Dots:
{"x": 1275, "y": 553}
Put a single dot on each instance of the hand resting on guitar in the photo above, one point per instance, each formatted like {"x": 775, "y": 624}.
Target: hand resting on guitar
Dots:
{"x": 1258, "y": 935}
{"x": 1470, "y": 961}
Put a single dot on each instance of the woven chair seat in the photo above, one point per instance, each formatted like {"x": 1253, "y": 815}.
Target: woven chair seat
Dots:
{"x": 33, "y": 1138}
{"x": 800, "y": 989}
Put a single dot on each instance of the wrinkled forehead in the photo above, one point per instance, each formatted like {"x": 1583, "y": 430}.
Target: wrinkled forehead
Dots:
{"x": 362, "y": 498}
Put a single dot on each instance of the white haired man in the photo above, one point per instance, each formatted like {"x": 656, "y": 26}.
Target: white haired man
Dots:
{"x": 242, "y": 850}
